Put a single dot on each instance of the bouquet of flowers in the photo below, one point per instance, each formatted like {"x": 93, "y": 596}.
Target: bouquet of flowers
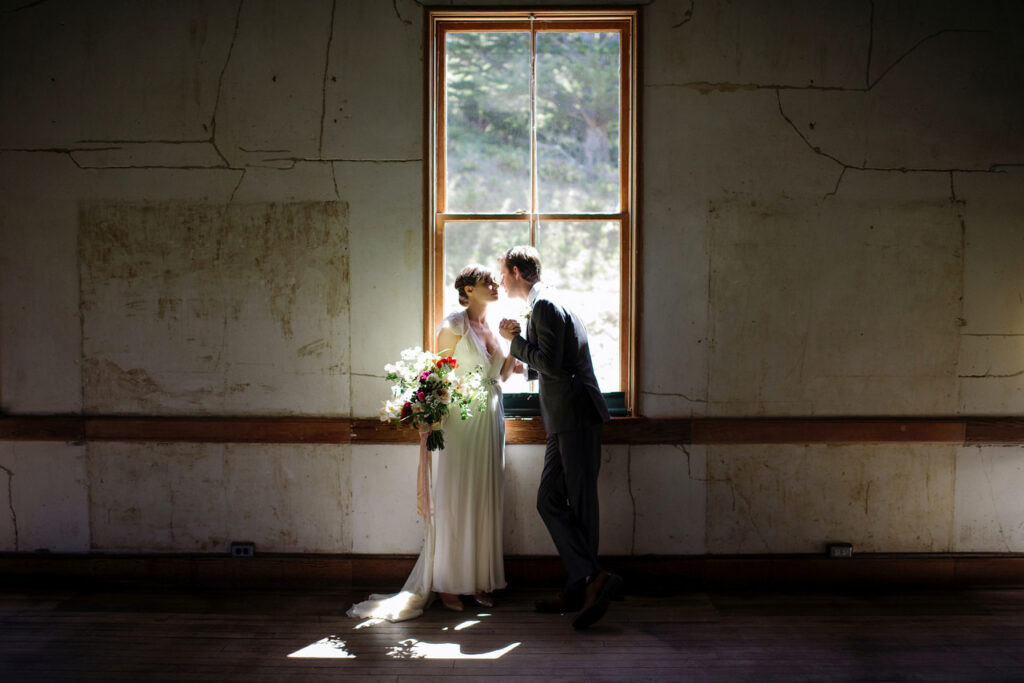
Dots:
{"x": 426, "y": 389}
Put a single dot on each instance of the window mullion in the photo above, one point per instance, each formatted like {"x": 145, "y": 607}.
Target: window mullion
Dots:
{"x": 533, "y": 132}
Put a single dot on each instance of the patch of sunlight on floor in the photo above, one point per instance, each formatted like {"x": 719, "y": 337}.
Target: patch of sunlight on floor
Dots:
{"x": 466, "y": 624}
{"x": 331, "y": 647}
{"x": 368, "y": 622}
{"x": 416, "y": 649}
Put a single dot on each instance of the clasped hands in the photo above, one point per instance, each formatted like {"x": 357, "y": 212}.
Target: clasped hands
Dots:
{"x": 509, "y": 328}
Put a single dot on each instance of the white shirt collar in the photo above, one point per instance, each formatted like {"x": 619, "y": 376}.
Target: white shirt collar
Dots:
{"x": 531, "y": 298}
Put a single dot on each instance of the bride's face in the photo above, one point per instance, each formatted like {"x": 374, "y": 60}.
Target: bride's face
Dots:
{"x": 484, "y": 291}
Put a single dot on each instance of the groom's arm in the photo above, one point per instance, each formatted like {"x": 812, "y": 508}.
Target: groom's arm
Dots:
{"x": 546, "y": 353}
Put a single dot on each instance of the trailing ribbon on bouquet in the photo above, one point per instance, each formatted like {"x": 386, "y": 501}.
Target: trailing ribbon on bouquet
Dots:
{"x": 424, "y": 505}
{"x": 425, "y": 391}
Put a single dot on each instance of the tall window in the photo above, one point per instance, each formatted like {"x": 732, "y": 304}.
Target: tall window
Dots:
{"x": 533, "y": 138}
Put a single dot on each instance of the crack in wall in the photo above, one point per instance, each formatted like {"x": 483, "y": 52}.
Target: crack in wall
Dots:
{"x": 212, "y": 139}
{"x": 708, "y": 86}
{"x": 997, "y": 334}
{"x": 689, "y": 469}
{"x": 839, "y": 180}
{"x": 327, "y": 64}
{"x": 750, "y": 517}
{"x": 70, "y": 152}
{"x": 133, "y": 142}
{"x": 988, "y": 375}
{"x": 674, "y": 395}
{"x": 365, "y": 374}
{"x": 732, "y": 492}
{"x": 394, "y": 6}
{"x": 231, "y": 199}
{"x": 871, "y": 41}
{"x": 25, "y": 7}
{"x": 220, "y": 84}
{"x": 869, "y": 84}
{"x": 915, "y": 46}
{"x": 993, "y": 168}
{"x": 710, "y": 480}
{"x": 296, "y": 160}
{"x": 10, "y": 504}
{"x": 64, "y": 151}
{"x": 687, "y": 16}
{"x": 152, "y": 167}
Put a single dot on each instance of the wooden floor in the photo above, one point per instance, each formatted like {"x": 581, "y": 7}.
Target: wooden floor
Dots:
{"x": 135, "y": 632}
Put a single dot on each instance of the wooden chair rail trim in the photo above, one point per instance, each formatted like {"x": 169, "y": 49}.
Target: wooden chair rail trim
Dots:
{"x": 649, "y": 571}
{"x": 633, "y": 430}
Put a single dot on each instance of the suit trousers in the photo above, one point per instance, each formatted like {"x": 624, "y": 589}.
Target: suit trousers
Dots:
{"x": 567, "y": 499}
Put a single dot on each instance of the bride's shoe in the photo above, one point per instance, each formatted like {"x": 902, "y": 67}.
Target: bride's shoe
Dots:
{"x": 483, "y": 599}
{"x": 451, "y": 601}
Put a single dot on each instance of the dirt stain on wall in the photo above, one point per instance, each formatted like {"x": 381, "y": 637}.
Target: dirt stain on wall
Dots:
{"x": 180, "y": 300}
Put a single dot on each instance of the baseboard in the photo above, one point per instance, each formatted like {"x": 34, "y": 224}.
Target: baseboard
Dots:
{"x": 643, "y": 574}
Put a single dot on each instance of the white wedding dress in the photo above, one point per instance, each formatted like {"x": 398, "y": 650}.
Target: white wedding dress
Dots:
{"x": 462, "y": 542}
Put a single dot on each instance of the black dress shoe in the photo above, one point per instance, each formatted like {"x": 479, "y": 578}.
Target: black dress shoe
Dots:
{"x": 599, "y": 592}
{"x": 559, "y": 604}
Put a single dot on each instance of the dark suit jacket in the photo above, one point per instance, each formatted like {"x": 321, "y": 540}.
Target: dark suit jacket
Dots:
{"x": 556, "y": 347}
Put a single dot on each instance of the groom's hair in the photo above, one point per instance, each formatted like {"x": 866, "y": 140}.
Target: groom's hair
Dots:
{"x": 526, "y": 259}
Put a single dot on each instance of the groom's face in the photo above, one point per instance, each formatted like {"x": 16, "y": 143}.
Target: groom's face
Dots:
{"x": 508, "y": 281}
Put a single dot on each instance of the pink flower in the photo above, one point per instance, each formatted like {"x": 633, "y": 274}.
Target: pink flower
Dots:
{"x": 421, "y": 395}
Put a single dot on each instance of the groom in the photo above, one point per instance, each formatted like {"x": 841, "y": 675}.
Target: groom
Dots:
{"x": 574, "y": 413}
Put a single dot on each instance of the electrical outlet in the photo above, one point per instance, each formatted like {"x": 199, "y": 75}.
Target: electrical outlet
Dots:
{"x": 241, "y": 549}
{"x": 840, "y": 550}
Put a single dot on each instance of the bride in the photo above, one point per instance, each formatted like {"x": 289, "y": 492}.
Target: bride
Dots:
{"x": 462, "y": 551}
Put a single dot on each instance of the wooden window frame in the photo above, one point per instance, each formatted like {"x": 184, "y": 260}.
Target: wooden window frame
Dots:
{"x": 438, "y": 24}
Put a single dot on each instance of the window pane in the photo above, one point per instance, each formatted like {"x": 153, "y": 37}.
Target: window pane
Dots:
{"x": 488, "y": 122}
{"x": 467, "y": 242}
{"x": 578, "y": 122}
{"x": 582, "y": 260}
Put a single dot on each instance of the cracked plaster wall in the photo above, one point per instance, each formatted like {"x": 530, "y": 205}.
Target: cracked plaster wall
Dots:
{"x": 831, "y": 207}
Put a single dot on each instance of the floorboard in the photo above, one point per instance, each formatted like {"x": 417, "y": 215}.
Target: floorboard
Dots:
{"x": 173, "y": 633}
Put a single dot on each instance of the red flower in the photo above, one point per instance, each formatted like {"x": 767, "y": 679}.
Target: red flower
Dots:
{"x": 406, "y": 410}
{"x": 449, "y": 361}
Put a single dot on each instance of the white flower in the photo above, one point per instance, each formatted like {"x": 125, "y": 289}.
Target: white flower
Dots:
{"x": 391, "y": 409}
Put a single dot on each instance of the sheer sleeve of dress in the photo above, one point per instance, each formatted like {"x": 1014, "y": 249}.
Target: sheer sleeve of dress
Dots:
{"x": 456, "y": 322}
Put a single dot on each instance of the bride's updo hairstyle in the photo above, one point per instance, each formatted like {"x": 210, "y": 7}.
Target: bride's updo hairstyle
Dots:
{"x": 471, "y": 276}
